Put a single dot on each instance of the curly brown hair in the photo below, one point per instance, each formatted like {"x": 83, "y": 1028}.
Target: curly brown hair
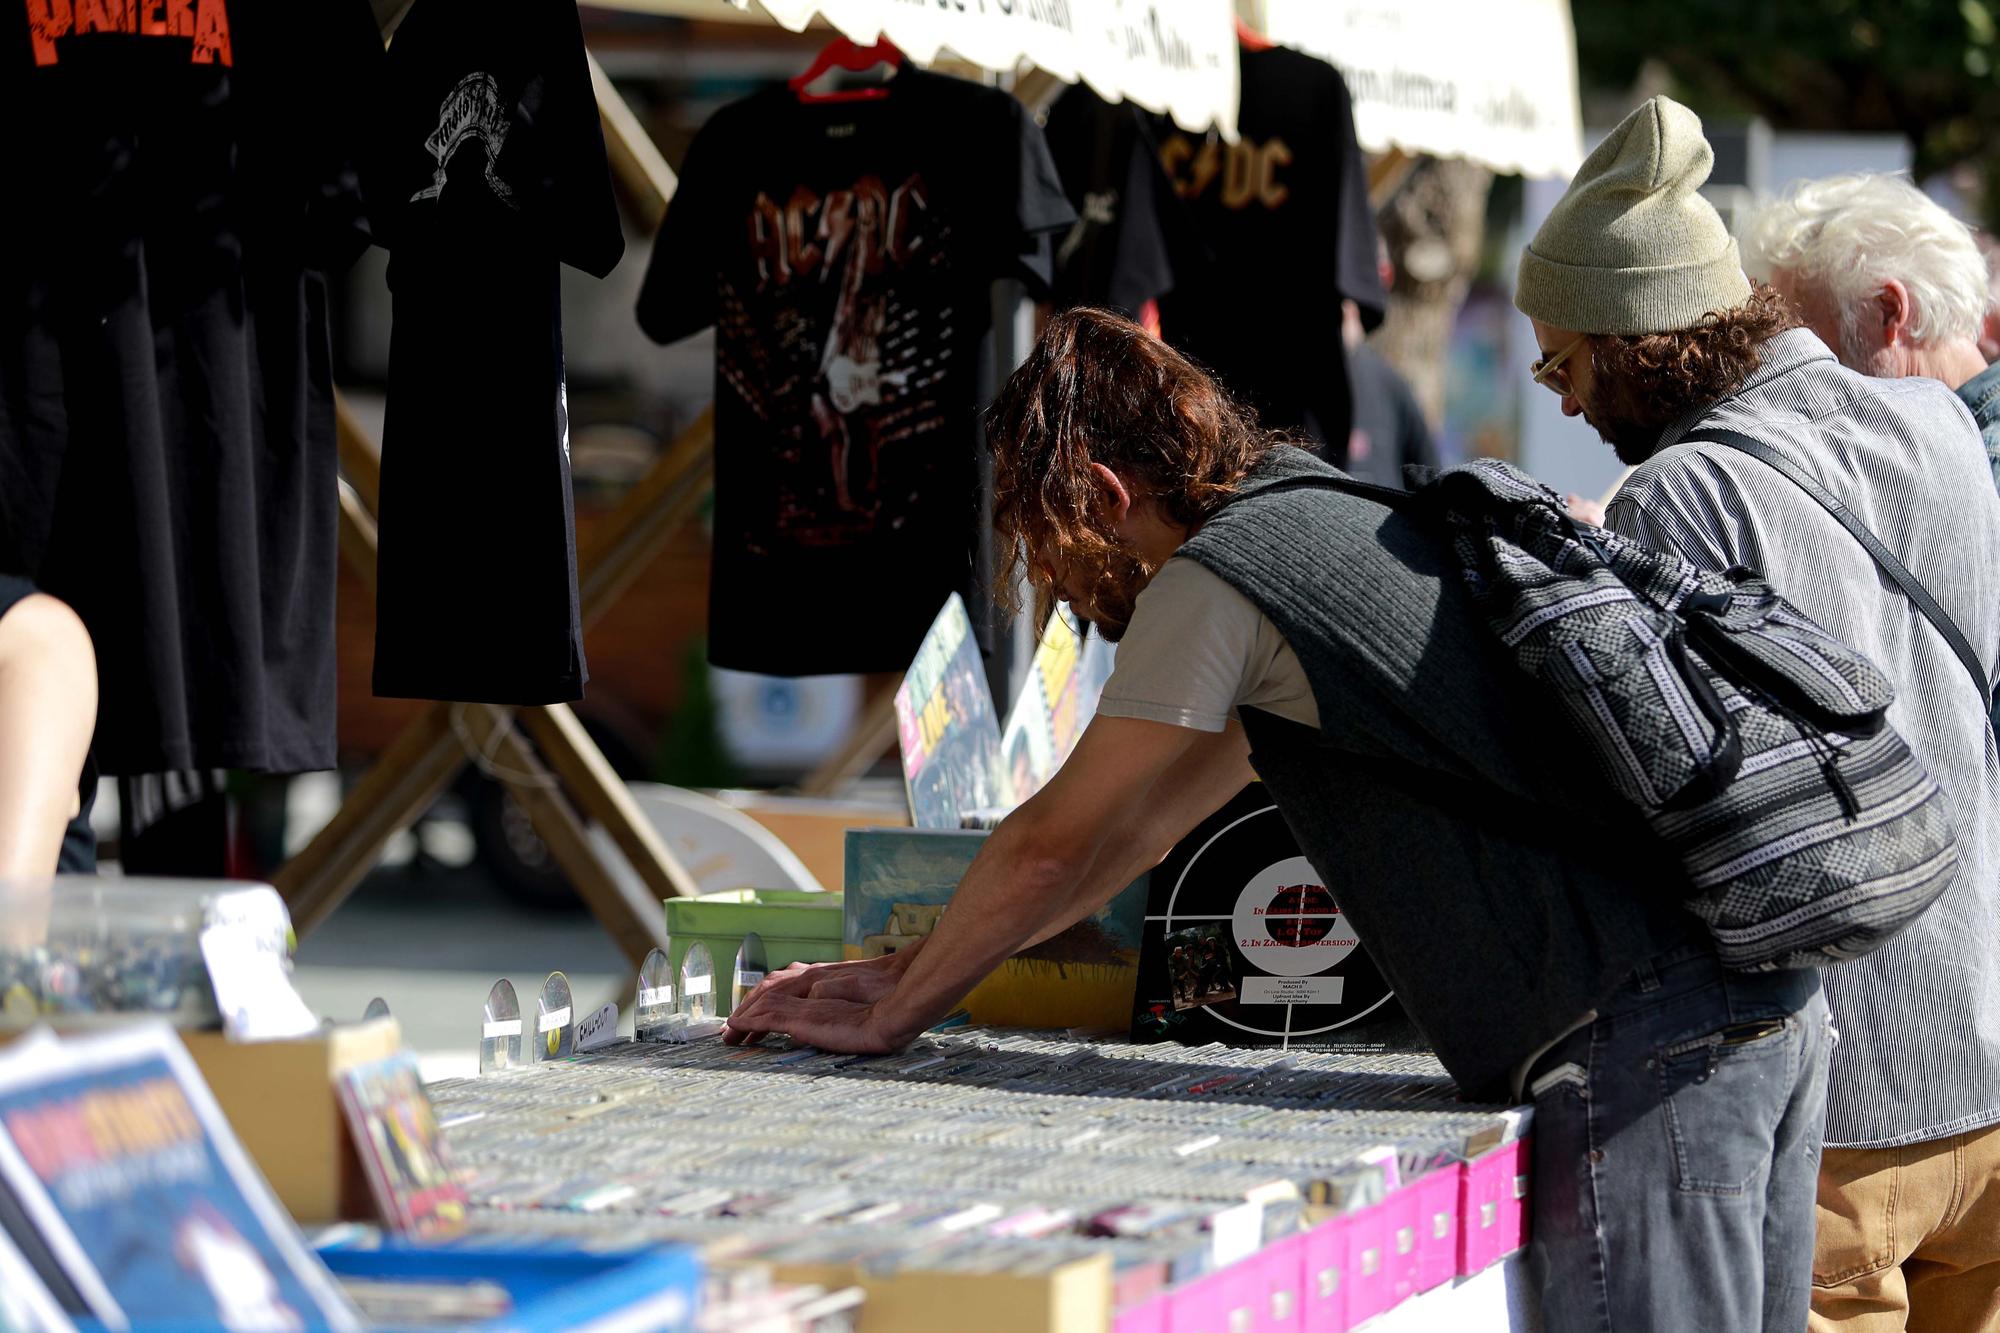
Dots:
{"x": 1643, "y": 384}
{"x": 1098, "y": 388}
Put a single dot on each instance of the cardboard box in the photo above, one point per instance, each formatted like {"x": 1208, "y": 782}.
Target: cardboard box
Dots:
{"x": 1075, "y": 1298}
{"x": 815, "y": 830}
{"x": 280, "y": 1099}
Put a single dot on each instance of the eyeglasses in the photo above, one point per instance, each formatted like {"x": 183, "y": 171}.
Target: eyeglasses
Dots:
{"x": 1548, "y": 371}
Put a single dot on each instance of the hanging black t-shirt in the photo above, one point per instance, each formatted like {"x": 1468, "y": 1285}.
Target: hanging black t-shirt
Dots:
{"x": 182, "y": 179}
{"x": 845, "y": 252}
{"x": 1284, "y": 212}
{"x": 1129, "y": 224}
{"x": 491, "y": 173}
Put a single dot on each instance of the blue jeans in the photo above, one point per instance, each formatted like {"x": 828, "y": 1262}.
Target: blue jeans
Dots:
{"x": 1676, "y": 1153}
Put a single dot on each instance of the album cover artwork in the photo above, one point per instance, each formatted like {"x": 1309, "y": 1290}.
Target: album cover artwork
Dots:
{"x": 123, "y": 1163}
{"x": 410, "y": 1171}
{"x": 1243, "y": 945}
{"x": 899, "y": 884}
{"x": 947, "y": 726}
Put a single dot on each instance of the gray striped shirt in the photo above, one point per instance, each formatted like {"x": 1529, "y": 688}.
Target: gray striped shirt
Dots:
{"x": 1919, "y": 1020}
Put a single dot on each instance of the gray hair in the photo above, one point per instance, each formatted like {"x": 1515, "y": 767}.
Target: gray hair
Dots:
{"x": 1848, "y": 235}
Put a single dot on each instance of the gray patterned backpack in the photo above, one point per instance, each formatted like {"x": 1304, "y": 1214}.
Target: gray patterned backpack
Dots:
{"x": 1753, "y": 742}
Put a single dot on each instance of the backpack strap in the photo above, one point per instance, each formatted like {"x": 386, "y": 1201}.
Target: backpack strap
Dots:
{"x": 1894, "y": 568}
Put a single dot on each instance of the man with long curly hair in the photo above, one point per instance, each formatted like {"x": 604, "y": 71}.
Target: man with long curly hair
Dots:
{"x": 1650, "y": 331}
{"x": 1500, "y": 890}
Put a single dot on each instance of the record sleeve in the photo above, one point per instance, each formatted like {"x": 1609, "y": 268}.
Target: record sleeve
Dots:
{"x": 947, "y": 726}
{"x": 396, "y": 1135}
{"x": 123, "y": 1162}
{"x": 1243, "y": 945}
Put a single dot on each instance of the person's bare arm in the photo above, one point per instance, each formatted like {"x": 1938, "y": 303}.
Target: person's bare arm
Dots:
{"x": 48, "y": 710}
{"x": 1131, "y": 789}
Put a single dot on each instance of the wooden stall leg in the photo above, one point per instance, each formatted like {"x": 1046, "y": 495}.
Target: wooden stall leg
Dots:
{"x": 634, "y": 920}
{"x": 604, "y": 797}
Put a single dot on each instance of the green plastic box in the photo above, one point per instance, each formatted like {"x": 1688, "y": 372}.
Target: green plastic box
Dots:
{"x": 795, "y": 925}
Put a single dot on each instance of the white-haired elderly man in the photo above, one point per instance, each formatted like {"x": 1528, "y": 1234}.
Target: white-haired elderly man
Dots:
{"x": 1889, "y": 280}
{"x": 1909, "y": 1188}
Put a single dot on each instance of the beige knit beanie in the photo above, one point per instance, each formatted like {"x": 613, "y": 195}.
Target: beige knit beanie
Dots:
{"x": 1631, "y": 247}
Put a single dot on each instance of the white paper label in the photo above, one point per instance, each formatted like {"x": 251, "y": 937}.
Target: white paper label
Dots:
{"x": 747, "y": 980}
{"x": 553, "y": 1019}
{"x": 1293, "y": 990}
{"x": 506, "y": 1027}
{"x": 699, "y": 985}
{"x": 1236, "y": 1233}
{"x": 600, "y": 1029}
{"x": 244, "y": 947}
{"x": 651, "y": 995}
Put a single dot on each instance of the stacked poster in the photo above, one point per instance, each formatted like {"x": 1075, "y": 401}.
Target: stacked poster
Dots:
{"x": 121, "y": 1162}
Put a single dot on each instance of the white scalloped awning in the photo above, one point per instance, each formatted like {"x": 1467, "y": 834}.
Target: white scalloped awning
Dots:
{"x": 1172, "y": 56}
{"x": 1490, "y": 80}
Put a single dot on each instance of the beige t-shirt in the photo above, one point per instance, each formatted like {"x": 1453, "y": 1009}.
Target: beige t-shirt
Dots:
{"x": 1197, "y": 650}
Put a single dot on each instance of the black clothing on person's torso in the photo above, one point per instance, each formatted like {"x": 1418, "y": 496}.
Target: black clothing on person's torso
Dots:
{"x": 1285, "y": 218}
{"x": 490, "y": 172}
{"x": 184, "y": 185}
{"x": 845, "y": 253}
{"x": 1494, "y": 883}
{"x": 1389, "y": 432}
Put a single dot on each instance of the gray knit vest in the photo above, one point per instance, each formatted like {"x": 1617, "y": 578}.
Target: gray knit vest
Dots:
{"x": 1496, "y": 886}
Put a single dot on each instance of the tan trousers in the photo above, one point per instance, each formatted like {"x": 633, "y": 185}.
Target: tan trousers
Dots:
{"x": 1910, "y": 1238}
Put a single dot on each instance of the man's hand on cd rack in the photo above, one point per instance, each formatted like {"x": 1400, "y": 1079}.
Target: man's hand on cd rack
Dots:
{"x": 863, "y": 981}
{"x": 847, "y": 1026}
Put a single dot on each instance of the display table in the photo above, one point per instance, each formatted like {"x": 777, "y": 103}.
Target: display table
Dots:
{"x": 1025, "y": 1181}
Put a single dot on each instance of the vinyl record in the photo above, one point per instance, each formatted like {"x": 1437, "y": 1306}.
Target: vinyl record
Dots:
{"x": 1245, "y": 945}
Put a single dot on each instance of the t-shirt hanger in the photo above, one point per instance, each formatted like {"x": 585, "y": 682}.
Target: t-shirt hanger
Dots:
{"x": 841, "y": 53}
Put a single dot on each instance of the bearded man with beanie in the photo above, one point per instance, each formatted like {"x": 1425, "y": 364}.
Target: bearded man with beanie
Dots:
{"x": 1650, "y": 331}
{"x": 1273, "y": 626}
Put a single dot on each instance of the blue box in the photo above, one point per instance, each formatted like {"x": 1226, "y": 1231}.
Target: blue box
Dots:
{"x": 554, "y": 1285}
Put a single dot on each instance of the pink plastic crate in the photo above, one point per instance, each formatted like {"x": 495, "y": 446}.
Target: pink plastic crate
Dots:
{"x": 1515, "y": 1180}
{"x": 1243, "y": 1295}
{"x": 1404, "y": 1224}
{"x": 1196, "y": 1307}
{"x": 1492, "y": 1218}
{"x": 1283, "y": 1267}
{"x": 1370, "y": 1271}
{"x": 1437, "y": 1226}
{"x": 1150, "y": 1316}
{"x": 1325, "y": 1276}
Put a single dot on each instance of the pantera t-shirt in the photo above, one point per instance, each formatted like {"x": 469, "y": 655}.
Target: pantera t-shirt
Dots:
{"x": 845, "y": 253}
{"x": 182, "y": 186}
{"x": 491, "y": 174}
{"x": 1285, "y": 217}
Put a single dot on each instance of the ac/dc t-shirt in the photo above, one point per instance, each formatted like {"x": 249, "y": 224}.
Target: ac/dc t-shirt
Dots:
{"x": 845, "y": 252}
{"x": 1284, "y": 213}
{"x": 491, "y": 173}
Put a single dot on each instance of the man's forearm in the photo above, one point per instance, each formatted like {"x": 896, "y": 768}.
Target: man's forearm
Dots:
{"x": 1009, "y": 895}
